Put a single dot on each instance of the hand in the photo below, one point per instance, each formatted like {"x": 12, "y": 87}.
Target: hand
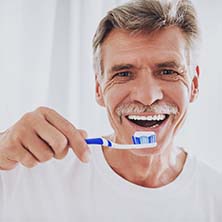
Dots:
{"x": 39, "y": 136}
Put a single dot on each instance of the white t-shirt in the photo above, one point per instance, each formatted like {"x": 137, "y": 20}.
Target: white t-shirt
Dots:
{"x": 68, "y": 190}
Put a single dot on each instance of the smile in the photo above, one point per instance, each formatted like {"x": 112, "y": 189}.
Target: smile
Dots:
{"x": 148, "y": 121}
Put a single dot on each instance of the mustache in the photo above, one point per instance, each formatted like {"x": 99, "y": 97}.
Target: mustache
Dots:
{"x": 137, "y": 108}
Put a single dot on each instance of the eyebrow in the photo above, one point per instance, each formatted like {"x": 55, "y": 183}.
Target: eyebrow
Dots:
{"x": 120, "y": 67}
{"x": 170, "y": 64}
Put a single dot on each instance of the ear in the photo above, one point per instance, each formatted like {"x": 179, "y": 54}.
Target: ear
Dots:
{"x": 195, "y": 85}
{"x": 99, "y": 94}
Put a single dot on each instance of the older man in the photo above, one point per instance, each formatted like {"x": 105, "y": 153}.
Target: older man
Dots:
{"x": 146, "y": 77}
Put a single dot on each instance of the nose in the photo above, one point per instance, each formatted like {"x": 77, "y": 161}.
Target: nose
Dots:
{"x": 147, "y": 89}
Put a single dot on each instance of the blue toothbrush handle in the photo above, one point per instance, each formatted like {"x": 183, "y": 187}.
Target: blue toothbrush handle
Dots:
{"x": 140, "y": 139}
{"x": 98, "y": 141}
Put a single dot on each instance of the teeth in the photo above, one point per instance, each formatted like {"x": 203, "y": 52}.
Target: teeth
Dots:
{"x": 154, "y": 126}
{"x": 143, "y": 118}
{"x": 149, "y": 118}
{"x": 155, "y": 117}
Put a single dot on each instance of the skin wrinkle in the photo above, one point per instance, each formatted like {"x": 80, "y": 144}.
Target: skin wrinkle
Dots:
{"x": 109, "y": 82}
{"x": 169, "y": 109}
{"x": 161, "y": 165}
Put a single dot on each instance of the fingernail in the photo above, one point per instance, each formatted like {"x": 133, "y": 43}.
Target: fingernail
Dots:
{"x": 87, "y": 156}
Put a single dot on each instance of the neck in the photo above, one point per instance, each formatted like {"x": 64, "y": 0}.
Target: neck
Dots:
{"x": 148, "y": 171}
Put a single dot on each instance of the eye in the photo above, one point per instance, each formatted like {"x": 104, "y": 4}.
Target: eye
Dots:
{"x": 123, "y": 74}
{"x": 167, "y": 72}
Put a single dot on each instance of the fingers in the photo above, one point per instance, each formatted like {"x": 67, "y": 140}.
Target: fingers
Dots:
{"x": 27, "y": 159}
{"x": 44, "y": 151}
{"x": 17, "y": 154}
{"x": 7, "y": 164}
{"x": 87, "y": 154}
{"x": 39, "y": 136}
{"x": 37, "y": 147}
{"x": 75, "y": 137}
{"x": 80, "y": 147}
{"x": 83, "y": 133}
{"x": 55, "y": 140}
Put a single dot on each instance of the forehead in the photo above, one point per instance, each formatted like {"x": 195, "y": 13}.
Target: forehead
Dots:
{"x": 123, "y": 47}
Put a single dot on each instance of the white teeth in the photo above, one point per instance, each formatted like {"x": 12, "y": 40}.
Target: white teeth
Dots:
{"x": 149, "y": 118}
{"x": 155, "y": 117}
{"x": 143, "y": 118}
{"x": 154, "y": 126}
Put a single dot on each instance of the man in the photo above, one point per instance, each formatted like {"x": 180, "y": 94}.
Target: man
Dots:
{"x": 146, "y": 77}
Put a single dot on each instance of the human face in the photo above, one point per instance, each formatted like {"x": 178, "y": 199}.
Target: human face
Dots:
{"x": 145, "y": 70}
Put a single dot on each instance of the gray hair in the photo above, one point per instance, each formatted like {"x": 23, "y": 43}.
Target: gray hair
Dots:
{"x": 146, "y": 16}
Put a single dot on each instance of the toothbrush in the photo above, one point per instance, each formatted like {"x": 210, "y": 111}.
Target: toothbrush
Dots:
{"x": 140, "y": 140}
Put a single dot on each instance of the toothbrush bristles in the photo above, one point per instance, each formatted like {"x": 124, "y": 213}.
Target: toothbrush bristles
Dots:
{"x": 144, "y": 138}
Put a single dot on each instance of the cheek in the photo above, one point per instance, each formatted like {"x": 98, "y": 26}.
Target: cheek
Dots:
{"x": 185, "y": 82}
{"x": 114, "y": 94}
{"x": 183, "y": 85}
{"x": 178, "y": 93}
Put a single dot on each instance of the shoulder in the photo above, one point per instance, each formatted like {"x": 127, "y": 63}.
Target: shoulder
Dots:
{"x": 203, "y": 176}
{"x": 208, "y": 179}
{"x": 207, "y": 172}
{"x": 201, "y": 169}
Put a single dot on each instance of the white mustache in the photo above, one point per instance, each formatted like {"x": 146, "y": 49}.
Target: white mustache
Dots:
{"x": 137, "y": 108}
